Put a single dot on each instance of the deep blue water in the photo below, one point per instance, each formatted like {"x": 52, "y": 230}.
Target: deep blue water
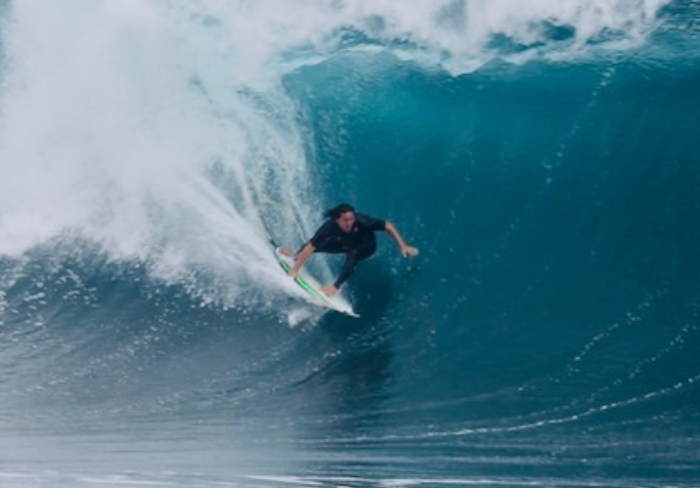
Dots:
{"x": 548, "y": 334}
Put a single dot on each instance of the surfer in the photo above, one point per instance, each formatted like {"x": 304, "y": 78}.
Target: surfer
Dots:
{"x": 348, "y": 232}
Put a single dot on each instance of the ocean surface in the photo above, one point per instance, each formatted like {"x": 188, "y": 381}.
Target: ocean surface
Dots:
{"x": 543, "y": 155}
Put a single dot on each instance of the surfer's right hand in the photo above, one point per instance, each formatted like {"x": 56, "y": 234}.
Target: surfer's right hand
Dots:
{"x": 293, "y": 273}
{"x": 407, "y": 251}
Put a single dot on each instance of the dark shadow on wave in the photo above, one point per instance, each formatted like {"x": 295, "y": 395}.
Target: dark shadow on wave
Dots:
{"x": 353, "y": 382}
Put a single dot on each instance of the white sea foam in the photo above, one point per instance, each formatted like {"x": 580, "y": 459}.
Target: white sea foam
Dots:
{"x": 145, "y": 126}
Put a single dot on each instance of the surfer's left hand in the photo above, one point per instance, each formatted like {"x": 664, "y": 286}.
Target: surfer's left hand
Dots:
{"x": 329, "y": 290}
{"x": 407, "y": 251}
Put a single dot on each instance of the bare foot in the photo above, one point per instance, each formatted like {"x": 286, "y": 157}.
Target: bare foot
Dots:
{"x": 329, "y": 290}
{"x": 287, "y": 251}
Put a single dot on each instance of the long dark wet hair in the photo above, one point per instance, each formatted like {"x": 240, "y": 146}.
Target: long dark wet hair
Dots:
{"x": 335, "y": 212}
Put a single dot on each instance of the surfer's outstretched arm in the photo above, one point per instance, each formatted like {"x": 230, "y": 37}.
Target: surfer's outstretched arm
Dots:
{"x": 301, "y": 259}
{"x": 405, "y": 249}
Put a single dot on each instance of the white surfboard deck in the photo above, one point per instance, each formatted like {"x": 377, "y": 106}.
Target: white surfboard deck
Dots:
{"x": 312, "y": 288}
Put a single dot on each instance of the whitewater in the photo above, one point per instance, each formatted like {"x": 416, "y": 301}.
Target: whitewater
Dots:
{"x": 542, "y": 154}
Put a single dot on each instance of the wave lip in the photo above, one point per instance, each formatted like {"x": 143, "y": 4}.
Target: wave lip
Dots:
{"x": 546, "y": 335}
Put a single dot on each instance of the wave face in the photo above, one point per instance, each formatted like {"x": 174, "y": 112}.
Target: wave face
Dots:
{"x": 543, "y": 156}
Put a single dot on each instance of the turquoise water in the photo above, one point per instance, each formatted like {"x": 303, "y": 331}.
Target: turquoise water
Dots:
{"x": 544, "y": 159}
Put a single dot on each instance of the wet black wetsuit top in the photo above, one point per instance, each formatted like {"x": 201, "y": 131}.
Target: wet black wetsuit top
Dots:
{"x": 360, "y": 243}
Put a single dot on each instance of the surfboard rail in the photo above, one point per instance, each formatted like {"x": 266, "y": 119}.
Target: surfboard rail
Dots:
{"x": 312, "y": 288}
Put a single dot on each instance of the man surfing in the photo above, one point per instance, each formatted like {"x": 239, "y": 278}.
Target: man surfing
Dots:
{"x": 346, "y": 232}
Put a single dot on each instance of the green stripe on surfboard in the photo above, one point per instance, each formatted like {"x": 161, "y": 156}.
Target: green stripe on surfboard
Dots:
{"x": 310, "y": 288}
{"x": 302, "y": 282}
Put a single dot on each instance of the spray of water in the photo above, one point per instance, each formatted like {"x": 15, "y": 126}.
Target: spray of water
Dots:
{"x": 160, "y": 131}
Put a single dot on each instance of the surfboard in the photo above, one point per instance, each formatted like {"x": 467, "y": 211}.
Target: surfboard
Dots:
{"x": 313, "y": 289}
{"x": 308, "y": 284}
